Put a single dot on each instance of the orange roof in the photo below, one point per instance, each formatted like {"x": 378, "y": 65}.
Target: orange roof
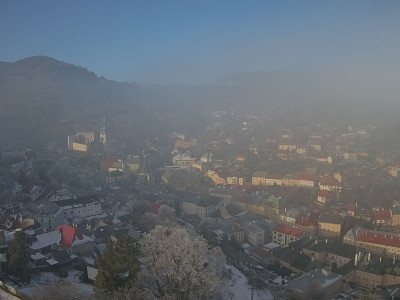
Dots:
{"x": 289, "y": 230}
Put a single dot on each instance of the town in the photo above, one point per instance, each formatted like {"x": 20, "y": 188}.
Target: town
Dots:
{"x": 301, "y": 209}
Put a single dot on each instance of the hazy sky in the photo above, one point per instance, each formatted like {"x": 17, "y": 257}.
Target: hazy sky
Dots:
{"x": 181, "y": 42}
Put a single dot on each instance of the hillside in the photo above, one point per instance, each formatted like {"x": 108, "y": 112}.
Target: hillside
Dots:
{"x": 41, "y": 98}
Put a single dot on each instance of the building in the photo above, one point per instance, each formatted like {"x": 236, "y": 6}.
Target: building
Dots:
{"x": 273, "y": 179}
{"x": 47, "y": 213}
{"x": 80, "y": 207}
{"x": 133, "y": 163}
{"x": 254, "y": 234}
{"x": 382, "y": 217}
{"x": 328, "y": 183}
{"x": 377, "y": 242}
{"x": 183, "y": 160}
{"x": 203, "y": 207}
{"x": 64, "y": 238}
{"x": 329, "y": 225}
{"x": 324, "y": 197}
{"x": 259, "y": 178}
{"x": 284, "y": 234}
{"x": 288, "y": 217}
{"x": 115, "y": 176}
{"x": 320, "y": 283}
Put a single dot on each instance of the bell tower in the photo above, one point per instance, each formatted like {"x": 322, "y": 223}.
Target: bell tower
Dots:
{"x": 103, "y": 133}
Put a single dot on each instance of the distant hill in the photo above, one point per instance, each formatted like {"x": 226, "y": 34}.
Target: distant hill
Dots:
{"x": 41, "y": 98}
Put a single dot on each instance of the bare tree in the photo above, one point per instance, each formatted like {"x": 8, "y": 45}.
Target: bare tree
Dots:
{"x": 176, "y": 265}
{"x": 61, "y": 290}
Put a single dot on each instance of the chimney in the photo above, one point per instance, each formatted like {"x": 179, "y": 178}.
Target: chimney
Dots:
{"x": 394, "y": 259}
{"x": 380, "y": 258}
{"x": 369, "y": 256}
{"x": 355, "y": 259}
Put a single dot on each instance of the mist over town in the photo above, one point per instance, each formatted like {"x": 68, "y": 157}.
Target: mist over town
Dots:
{"x": 200, "y": 151}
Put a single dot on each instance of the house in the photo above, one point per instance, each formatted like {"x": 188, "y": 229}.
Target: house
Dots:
{"x": 254, "y": 234}
{"x": 302, "y": 150}
{"x": 325, "y": 197}
{"x": 183, "y": 160}
{"x": 308, "y": 222}
{"x": 288, "y": 217}
{"x": 259, "y": 178}
{"x": 272, "y": 207}
{"x": 284, "y": 234}
{"x": 395, "y": 216}
{"x": 322, "y": 283}
{"x": 329, "y": 225}
{"x": 287, "y": 146}
{"x": 80, "y": 207}
{"x": 382, "y": 217}
{"x": 47, "y": 213}
{"x": 273, "y": 179}
{"x": 203, "y": 207}
{"x": 350, "y": 156}
{"x": 234, "y": 179}
{"x": 115, "y": 176}
{"x": 63, "y": 238}
{"x": 328, "y": 183}
{"x": 207, "y": 158}
{"x": 393, "y": 169}
{"x": 107, "y": 162}
{"x": 305, "y": 180}
{"x": 324, "y": 158}
{"x": 133, "y": 163}
{"x": 381, "y": 243}
{"x": 240, "y": 157}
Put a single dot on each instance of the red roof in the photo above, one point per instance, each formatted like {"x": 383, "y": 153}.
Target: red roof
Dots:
{"x": 289, "y": 230}
{"x": 327, "y": 180}
{"x": 352, "y": 207}
{"x": 309, "y": 220}
{"x": 109, "y": 159}
{"x": 379, "y": 238}
{"x": 243, "y": 198}
{"x": 153, "y": 208}
{"x": 274, "y": 176}
{"x": 381, "y": 214}
{"x": 262, "y": 251}
{"x": 323, "y": 193}
{"x": 68, "y": 235}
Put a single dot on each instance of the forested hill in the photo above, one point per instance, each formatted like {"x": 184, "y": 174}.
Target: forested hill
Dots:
{"x": 41, "y": 98}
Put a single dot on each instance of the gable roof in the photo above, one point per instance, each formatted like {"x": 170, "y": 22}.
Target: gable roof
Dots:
{"x": 289, "y": 230}
{"x": 330, "y": 218}
{"x": 69, "y": 235}
{"x": 379, "y": 238}
{"x": 382, "y": 214}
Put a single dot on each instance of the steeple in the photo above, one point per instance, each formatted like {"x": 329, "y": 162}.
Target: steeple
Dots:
{"x": 103, "y": 133}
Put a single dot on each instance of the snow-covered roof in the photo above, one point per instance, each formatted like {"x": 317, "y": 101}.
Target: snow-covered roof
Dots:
{"x": 46, "y": 239}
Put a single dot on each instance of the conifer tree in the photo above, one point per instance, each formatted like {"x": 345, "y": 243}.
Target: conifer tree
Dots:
{"x": 17, "y": 256}
{"x": 117, "y": 267}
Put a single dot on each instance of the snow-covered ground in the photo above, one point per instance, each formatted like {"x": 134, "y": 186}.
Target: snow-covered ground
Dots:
{"x": 237, "y": 288}
{"x": 46, "y": 278}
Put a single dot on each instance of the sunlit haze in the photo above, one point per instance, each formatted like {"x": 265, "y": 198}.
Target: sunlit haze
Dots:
{"x": 190, "y": 42}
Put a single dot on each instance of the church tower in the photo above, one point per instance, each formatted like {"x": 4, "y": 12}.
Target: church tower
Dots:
{"x": 103, "y": 133}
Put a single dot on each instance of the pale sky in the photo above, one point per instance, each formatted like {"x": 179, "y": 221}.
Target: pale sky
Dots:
{"x": 186, "y": 42}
